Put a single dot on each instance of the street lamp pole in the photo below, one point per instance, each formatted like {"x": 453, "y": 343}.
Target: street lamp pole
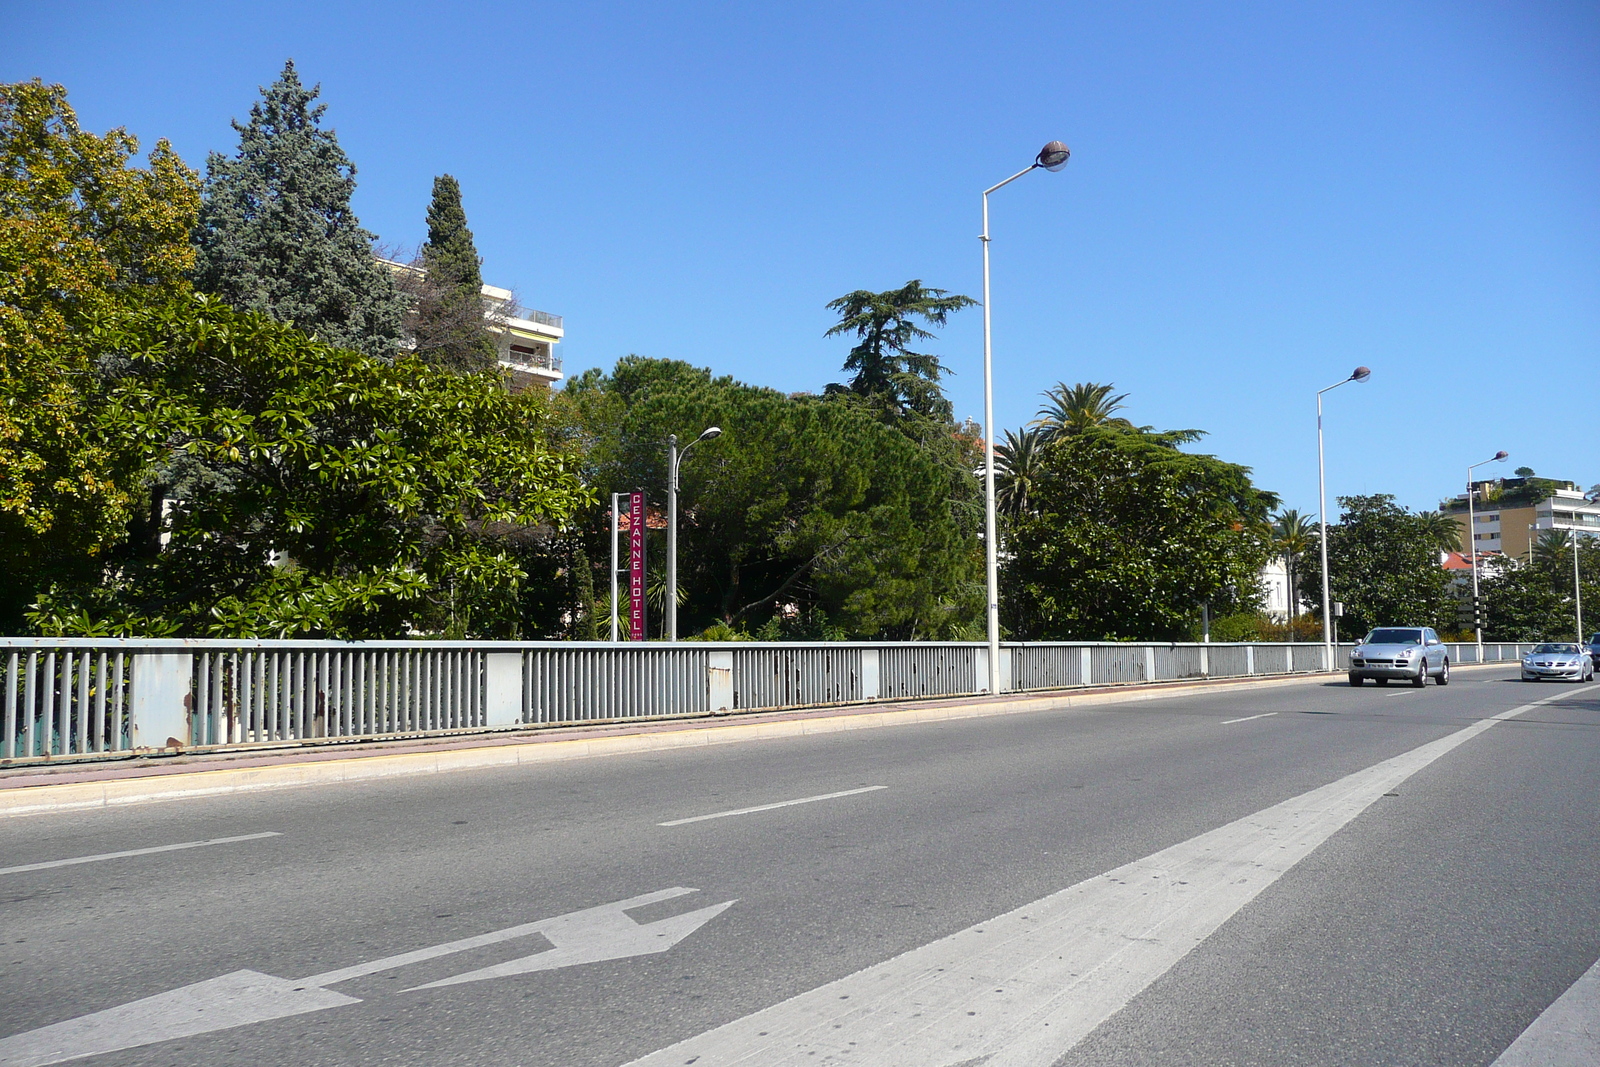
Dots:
{"x": 1052, "y": 157}
{"x": 674, "y": 461}
{"x": 1577, "y": 586}
{"x": 1472, "y": 545}
{"x": 1360, "y": 374}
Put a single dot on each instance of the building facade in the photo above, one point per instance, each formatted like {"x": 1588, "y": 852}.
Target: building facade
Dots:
{"x": 1508, "y": 516}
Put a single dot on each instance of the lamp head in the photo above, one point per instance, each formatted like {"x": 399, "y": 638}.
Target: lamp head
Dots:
{"x": 1053, "y": 156}
{"x": 1361, "y": 374}
{"x": 1501, "y": 455}
{"x": 709, "y": 432}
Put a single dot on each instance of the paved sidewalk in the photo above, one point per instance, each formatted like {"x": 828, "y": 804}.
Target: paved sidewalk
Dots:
{"x": 108, "y": 782}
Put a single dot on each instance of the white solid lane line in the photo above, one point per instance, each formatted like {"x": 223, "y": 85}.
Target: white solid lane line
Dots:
{"x": 1566, "y": 1034}
{"x": 135, "y": 852}
{"x": 769, "y": 807}
{"x": 1247, "y": 718}
{"x": 1025, "y": 987}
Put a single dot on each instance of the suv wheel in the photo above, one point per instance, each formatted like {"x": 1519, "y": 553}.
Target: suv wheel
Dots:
{"x": 1422, "y": 675}
{"x": 1444, "y": 673}
{"x": 1356, "y": 680}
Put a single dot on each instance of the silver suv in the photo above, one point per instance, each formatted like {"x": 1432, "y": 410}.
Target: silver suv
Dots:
{"x": 1410, "y": 653}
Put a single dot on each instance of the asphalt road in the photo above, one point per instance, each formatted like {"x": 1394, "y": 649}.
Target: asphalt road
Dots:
{"x": 1431, "y": 925}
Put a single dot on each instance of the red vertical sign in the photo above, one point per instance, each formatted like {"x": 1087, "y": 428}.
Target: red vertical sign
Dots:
{"x": 636, "y": 524}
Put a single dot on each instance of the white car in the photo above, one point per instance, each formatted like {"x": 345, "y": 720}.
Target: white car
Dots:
{"x": 1555, "y": 659}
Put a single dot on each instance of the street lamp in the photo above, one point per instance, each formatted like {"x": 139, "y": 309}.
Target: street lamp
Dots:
{"x": 1052, "y": 157}
{"x": 1577, "y": 587}
{"x": 1472, "y": 544}
{"x": 1360, "y": 374}
{"x": 674, "y": 461}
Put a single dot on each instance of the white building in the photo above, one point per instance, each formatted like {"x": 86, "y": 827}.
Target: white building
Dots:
{"x": 525, "y": 339}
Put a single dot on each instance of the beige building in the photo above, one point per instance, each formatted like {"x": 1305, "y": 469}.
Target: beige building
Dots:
{"x": 1512, "y": 530}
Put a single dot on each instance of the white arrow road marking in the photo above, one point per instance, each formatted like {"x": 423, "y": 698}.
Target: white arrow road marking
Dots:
{"x": 1025, "y": 987}
{"x": 769, "y": 807}
{"x": 592, "y": 936}
{"x": 47, "y": 864}
{"x": 245, "y": 997}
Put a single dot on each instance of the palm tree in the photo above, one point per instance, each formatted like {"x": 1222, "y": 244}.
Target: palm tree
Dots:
{"x": 1552, "y": 550}
{"x": 1076, "y": 408}
{"x": 1072, "y": 409}
{"x": 887, "y": 371}
{"x": 1016, "y": 469}
{"x": 1293, "y": 536}
{"x": 1441, "y": 530}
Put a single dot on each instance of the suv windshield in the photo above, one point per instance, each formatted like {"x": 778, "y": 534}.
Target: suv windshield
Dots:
{"x": 1553, "y": 649}
{"x": 1395, "y": 637}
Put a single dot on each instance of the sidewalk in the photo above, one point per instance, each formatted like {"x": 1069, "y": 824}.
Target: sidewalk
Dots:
{"x": 44, "y": 788}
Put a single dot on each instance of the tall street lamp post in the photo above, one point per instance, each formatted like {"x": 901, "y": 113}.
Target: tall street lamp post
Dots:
{"x": 1472, "y": 549}
{"x": 1577, "y": 588}
{"x": 1360, "y": 374}
{"x": 1052, "y": 157}
{"x": 674, "y": 461}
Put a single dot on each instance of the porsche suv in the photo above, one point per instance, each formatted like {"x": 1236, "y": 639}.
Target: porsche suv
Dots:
{"x": 1406, "y": 653}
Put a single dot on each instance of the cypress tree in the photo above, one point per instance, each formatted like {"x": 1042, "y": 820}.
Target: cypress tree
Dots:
{"x": 446, "y": 324}
{"x": 276, "y": 232}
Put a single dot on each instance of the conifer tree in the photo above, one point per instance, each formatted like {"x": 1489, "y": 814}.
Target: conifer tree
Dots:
{"x": 277, "y": 234}
{"x": 446, "y": 322}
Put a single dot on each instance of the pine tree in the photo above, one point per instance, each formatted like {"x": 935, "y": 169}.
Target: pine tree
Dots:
{"x": 446, "y": 322}
{"x": 277, "y": 234}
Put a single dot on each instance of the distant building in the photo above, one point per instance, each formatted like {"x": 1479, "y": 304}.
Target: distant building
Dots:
{"x": 1509, "y": 514}
{"x": 525, "y": 339}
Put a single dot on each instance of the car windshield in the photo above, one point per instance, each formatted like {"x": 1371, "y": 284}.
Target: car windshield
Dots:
{"x": 1395, "y": 637}
{"x": 1548, "y": 650}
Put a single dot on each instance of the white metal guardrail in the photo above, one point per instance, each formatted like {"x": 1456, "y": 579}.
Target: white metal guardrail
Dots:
{"x": 63, "y": 697}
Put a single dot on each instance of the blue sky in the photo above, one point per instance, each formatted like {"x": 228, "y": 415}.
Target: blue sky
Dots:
{"x": 1261, "y": 195}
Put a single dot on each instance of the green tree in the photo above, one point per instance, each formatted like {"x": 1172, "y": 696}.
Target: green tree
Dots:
{"x": 340, "y": 495}
{"x": 803, "y": 510}
{"x": 1072, "y": 409}
{"x": 1016, "y": 470}
{"x": 446, "y": 322}
{"x": 894, "y": 380}
{"x": 1442, "y": 530}
{"x": 1128, "y": 537}
{"x": 1293, "y": 535}
{"x": 277, "y": 233}
{"x": 1383, "y": 566}
{"x": 1533, "y": 601}
{"x": 83, "y": 236}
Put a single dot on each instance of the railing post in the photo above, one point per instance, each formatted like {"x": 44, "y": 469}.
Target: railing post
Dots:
{"x": 719, "y": 681}
{"x": 1149, "y": 663}
{"x": 869, "y": 674}
{"x": 1086, "y": 665}
{"x": 1249, "y": 659}
{"x": 502, "y": 688}
{"x": 1205, "y": 661}
{"x": 160, "y": 701}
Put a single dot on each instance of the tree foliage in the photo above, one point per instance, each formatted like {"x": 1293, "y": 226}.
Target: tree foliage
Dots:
{"x": 83, "y": 236}
{"x": 338, "y": 495}
{"x": 1127, "y": 537}
{"x": 1383, "y": 565}
{"x": 446, "y": 323}
{"x": 894, "y": 380}
{"x": 1534, "y": 601}
{"x": 277, "y": 234}
{"x": 802, "y": 510}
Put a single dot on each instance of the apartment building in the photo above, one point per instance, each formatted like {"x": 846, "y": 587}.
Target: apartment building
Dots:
{"x": 525, "y": 339}
{"x": 1510, "y": 514}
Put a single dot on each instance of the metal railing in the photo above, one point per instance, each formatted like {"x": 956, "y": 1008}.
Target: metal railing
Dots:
{"x": 81, "y": 697}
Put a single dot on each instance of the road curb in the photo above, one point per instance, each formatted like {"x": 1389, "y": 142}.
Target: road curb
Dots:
{"x": 78, "y": 796}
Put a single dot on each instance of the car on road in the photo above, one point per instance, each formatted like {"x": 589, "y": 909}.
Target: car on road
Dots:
{"x": 1594, "y": 650}
{"x": 1407, "y": 653}
{"x": 1558, "y": 659}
